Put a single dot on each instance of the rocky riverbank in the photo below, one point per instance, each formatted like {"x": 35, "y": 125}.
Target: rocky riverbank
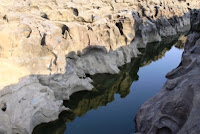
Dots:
{"x": 175, "y": 110}
{"x": 106, "y": 86}
{"x": 36, "y": 35}
{"x": 49, "y": 48}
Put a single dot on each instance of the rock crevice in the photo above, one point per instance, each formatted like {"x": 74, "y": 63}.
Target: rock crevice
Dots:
{"x": 49, "y": 48}
{"x": 175, "y": 108}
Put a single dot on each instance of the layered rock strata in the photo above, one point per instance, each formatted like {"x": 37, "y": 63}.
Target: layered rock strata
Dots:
{"x": 51, "y": 47}
{"x": 175, "y": 109}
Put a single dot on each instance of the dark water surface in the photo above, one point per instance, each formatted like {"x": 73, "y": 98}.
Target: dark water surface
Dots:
{"x": 117, "y": 117}
{"x": 111, "y": 107}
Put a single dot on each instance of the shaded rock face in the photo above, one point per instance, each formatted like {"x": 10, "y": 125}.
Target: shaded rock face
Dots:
{"x": 28, "y": 104}
{"x": 36, "y": 35}
{"x": 175, "y": 108}
{"x": 105, "y": 87}
{"x": 43, "y": 100}
{"x": 96, "y": 59}
{"x": 53, "y": 46}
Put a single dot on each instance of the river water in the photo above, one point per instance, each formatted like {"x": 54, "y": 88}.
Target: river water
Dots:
{"x": 111, "y": 107}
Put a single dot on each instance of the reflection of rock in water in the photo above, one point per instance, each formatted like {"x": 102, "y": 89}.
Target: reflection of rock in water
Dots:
{"x": 106, "y": 85}
{"x": 181, "y": 42}
{"x": 175, "y": 109}
{"x": 55, "y": 127}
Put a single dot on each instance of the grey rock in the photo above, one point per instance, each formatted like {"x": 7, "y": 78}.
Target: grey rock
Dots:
{"x": 96, "y": 59}
{"x": 150, "y": 32}
{"x": 38, "y": 98}
{"x": 64, "y": 86}
{"x": 175, "y": 109}
{"x": 27, "y": 104}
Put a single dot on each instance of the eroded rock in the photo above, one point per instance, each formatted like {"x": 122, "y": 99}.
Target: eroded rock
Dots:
{"x": 174, "y": 110}
{"x": 36, "y": 35}
{"x": 55, "y": 45}
{"x": 27, "y": 104}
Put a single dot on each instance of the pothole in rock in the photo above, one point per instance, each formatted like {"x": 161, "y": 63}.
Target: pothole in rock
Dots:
{"x": 3, "y": 106}
{"x": 164, "y": 130}
{"x": 75, "y": 11}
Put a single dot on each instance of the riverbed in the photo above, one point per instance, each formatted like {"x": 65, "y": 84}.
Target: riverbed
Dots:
{"x": 112, "y": 105}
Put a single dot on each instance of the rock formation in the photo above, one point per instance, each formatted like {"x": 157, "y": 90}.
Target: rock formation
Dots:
{"x": 175, "y": 109}
{"x": 27, "y": 105}
{"x": 49, "y": 47}
{"x": 105, "y": 87}
{"x": 36, "y": 35}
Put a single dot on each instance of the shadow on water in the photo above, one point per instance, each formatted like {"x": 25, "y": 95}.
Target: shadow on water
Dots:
{"x": 106, "y": 86}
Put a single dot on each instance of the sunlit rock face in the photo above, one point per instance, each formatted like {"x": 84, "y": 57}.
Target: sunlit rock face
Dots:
{"x": 36, "y": 35}
{"x": 106, "y": 86}
{"x": 56, "y": 44}
{"x": 175, "y": 108}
